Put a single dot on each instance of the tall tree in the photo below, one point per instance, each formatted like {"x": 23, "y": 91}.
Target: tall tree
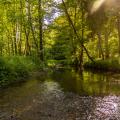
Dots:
{"x": 75, "y": 31}
{"x": 40, "y": 15}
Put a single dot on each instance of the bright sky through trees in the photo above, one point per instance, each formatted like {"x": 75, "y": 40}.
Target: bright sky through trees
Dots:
{"x": 55, "y": 15}
{"x": 58, "y": 1}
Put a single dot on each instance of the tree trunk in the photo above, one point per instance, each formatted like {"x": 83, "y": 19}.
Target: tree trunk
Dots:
{"x": 100, "y": 50}
{"x": 82, "y": 37}
{"x": 20, "y": 42}
{"x": 21, "y": 26}
{"x": 14, "y": 39}
{"x": 31, "y": 25}
{"x": 75, "y": 31}
{"x": 40, "y": 29}
{"x": 27, "y": 30}
{"x": 106, "y": 44}
{"x": 106, "y": 47}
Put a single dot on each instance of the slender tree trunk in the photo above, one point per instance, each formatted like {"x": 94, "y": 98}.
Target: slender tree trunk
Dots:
{"x": 21, "y": 26}
{"x": 15, "y": 29}
{"x": 31, "y": 25}
{"x": 106, "y": 44}
{"x": 27, "y": 46}
{"x": 74, "y": 36}
{"x": 40, "y": 29}
{"x": 106, "y": 47}
{"x": 100, "y": 50}
{"x": 8, "y": 44}
{"x": 75, "y": 31}
{"x": 15, "y": 42}
{"x": 20, "y": 42}
{"x": 82, "y": 37}
{"x": 12, "y": 46}
{"x": 12, "y": 42}
{"x": 27, "y": 30}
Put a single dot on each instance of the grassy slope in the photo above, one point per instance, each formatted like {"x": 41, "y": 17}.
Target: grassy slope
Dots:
{"x": 14, "y": 69}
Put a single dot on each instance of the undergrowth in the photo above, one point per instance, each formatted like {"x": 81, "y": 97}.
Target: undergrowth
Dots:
{"x": 17, "y": 68}
{"x": 105, "y": 65}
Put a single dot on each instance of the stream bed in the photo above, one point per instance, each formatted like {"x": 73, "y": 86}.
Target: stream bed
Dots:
{"x": 63, "y": 94}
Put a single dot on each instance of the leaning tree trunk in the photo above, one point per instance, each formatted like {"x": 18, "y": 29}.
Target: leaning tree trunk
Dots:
{"x": 75, "y": 31}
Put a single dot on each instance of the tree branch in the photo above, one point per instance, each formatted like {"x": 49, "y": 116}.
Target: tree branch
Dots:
{"x": 75, "y": 31}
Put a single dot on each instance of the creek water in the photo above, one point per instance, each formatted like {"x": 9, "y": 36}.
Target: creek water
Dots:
{"x": 63, "y": 94}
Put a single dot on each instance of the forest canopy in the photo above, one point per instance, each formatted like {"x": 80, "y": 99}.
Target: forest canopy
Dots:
{"x": 71, "y": 32}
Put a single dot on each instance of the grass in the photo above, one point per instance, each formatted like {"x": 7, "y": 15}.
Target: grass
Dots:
{"x": 17, "y": 68}
{"x": 104, "y": 65}
{"x": 57, "y": 63}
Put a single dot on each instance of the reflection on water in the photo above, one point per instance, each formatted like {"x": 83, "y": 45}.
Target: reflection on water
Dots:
{"x": 63, "y": 95}
{"x": 88, "y": 83}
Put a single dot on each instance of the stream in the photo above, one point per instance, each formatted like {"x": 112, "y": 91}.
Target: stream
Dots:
{"x": 63, "y": 94}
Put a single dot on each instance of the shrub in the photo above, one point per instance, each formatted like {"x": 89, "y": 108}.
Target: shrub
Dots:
{"x": 108, "y": 65}
{"x": 13, "y": 69}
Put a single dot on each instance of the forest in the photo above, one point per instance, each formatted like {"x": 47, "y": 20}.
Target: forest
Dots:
{"x": 35, "y": 34}
{"x": 59, "y": 59}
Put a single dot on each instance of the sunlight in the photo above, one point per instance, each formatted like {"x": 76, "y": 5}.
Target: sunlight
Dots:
{"x": 96, "y": 5}
{"x": 107, "y": 107}
{"x": 108, "y": 5}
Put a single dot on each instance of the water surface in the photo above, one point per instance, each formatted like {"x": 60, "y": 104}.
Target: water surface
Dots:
{"x": 63, "y": 94}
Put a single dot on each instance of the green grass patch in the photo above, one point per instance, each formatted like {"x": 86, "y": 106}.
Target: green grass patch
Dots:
{"x": 55, "y": 63}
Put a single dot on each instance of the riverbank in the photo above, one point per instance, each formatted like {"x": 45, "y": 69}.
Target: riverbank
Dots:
{"x": 63, "y": 95}
{"x": 111, "y": 65}
{"x": 16, "y": 69}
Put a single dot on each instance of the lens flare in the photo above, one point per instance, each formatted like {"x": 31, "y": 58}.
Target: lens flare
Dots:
{"x": 96, "y": 5}
{"x": 108, "y": 5}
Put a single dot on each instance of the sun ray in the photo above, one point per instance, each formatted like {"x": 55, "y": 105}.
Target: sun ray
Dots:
{"x": 96, "y": 5}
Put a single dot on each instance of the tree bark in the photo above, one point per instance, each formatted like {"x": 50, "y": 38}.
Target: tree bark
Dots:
{"x": 15, "y": 42}
{"x": 75, "y": 31}
{"x": 27, "y": 30}
{"x": 107, "y": 34}
{"x": 40, "y": 29}
{"x": 100, "y": 50}
{"x": 106, "y": 46}
{"x": 31, "y": 25}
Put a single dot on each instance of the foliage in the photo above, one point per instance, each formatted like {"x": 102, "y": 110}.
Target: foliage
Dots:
{"x": 36, "y": 34}
{"x": 14, "y": 69}
{"x": 104, "y": 65}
